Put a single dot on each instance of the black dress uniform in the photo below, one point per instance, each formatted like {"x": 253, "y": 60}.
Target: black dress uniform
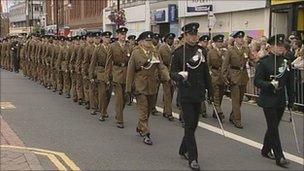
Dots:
{"x": 272, "y": 98}
{"x": 191, "y": 90}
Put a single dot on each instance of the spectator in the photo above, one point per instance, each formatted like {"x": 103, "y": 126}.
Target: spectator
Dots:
{"x": 296, "y": 46}
{"x": 298, "y": 65}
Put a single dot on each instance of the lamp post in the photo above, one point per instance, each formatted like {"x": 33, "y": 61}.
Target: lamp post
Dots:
{"x": 69, "y": 5}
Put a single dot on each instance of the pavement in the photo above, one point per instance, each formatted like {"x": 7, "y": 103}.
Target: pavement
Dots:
{"x": 49, "y": 123}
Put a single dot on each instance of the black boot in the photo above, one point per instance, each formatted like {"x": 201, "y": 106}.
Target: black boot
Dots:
{"x": 282, "y": 162}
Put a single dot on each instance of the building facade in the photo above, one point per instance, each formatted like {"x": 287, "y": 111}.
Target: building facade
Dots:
{"x": 75, "y": 14}
{"x": 26, "y": 15}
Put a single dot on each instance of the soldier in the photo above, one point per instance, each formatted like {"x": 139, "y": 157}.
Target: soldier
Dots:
{"x": 88, "y": 52}
{"x": 235, "y": 75}
{"x": 93, "y": 85}
{"x": 203, "y": 43}
{"x": 165, "y": 52}
{"x": 121, "y": 52}
{"x": 75, "y": 47}
{"x": 155, "y": 40}
{"x": 53, "y": 60}
{"x": 99, "y": 72}
{"x": 215, "y": 59}
{"x": 78, "y": 69}
{"x": 274, "y": 76}
{"x": 143, "y": 65}
{"x": 60, "y": 64}
{"x": 189, "y": 69}
{"x": 65, "y": 63}
{"x": 48, "y": 58}
{"x": 133, "y": 44}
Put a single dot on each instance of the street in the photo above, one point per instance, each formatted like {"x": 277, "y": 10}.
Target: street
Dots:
{"x": 45, "y": 120}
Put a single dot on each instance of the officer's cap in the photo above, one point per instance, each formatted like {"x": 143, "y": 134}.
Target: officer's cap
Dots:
{"x": 204, "y": 38}
{"x": 276, "y": 39}
{"x": 191, "y": 28}
{"x": 239, "y": 34}
{"x": 218, "y": 38}
{"x": 106, "y": 34}
{"x": 170, "y": 36}
{"x": 122, "y": 30}
{"x": 131, "y": 37}
{"x": 145, "y": 35}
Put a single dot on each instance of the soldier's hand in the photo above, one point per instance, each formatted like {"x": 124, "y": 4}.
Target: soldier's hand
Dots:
{"x": 275, "y": 84}
{"x": 184, "y": 74}
{"x": 210, "y": 99}
{"x": 92, "y": 80}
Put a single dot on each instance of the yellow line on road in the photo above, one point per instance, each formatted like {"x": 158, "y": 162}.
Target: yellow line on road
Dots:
{"x": 63, "y": 156}
{"x": 53, "y": 159}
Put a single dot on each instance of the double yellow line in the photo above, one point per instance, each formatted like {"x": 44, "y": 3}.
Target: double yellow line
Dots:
{"x": 52, "y": 155}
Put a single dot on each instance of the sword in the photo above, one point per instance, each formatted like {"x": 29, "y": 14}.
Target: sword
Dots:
{"x": 294, "y": 131}
{"x": 218, "y": 119}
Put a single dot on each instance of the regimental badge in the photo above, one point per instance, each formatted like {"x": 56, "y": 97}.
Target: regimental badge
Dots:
{"x": 245, "y": 55}
{"x": 128, "y": 54}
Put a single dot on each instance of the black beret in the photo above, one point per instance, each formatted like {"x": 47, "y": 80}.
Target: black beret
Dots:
{"x": 113, "y": 39}
{"x": 90, "y": 34}
{"x": 97, "y": 34}
{"x": 122, "y": 30}
{"x": 62, "y": 38}
{"x": 218, "y": 38}
{"x": 204, "y": 38}
{"x": 133, "y": 37}
{"x": 70, "y": 39}
{"x": 191, "y": 28}
{"x": 276, "y": 39}
{"x": 106, "y": 34}
{"x": 145, "y": 35}
{"x": 170, "y": 36}
{"x": 239, "y": 34}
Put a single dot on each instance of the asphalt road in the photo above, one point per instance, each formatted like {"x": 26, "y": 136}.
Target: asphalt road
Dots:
{"x": 43, "y": 119}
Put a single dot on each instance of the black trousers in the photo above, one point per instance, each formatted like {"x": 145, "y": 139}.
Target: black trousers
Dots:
{"x": 191, "y": 112}
{"x": 272, "y": 138}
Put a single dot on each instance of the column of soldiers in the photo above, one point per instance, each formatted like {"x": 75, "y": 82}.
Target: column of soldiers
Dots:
{"x": 89, "y": 68}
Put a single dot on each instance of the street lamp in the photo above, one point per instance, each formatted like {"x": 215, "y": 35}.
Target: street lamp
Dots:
{"x": 69, "y": 5}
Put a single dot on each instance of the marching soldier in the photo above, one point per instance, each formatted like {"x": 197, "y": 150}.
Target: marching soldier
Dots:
{"x": 54, "y": 57}
{"x": 274, "y": 76}
{"x": 189, "y": 69}
{"x": 235, "y": 75}
{"x": 133, "y": 44}
{"x": 76, "y": 46}
{"x": 155, "y": 41}
{"x": 99, "y": 72}
{"x": 93, "y": 86}
{"x": 143, "y": 65}
{"x": 215, "y": 59}
{"x": 89, "y": 48}
{"x": 65, "y": 67}
{"x": 203, "y": 43}
{"x": 78, "y": 69}
{"x": 60, "y": 64}
{"x": 165, "y": 52}
{"x": 121, "y": 52}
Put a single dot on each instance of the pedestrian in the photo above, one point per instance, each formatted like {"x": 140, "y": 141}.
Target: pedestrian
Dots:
{"x": 190, "y": 70}
{"x": 274, "y": 77}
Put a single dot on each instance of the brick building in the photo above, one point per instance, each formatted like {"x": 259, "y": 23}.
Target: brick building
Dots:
{"x": 75, "y": 14}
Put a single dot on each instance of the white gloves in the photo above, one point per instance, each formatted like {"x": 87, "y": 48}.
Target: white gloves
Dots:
{"x": 184, "y": 74}
{"x": 275, "y": 84}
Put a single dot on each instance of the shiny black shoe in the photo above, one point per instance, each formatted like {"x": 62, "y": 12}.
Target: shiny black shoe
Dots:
{"x": 147, "y": 140}
{"x": 184, "y": 155}
{"x": 269, "y": 155}
{"x": 87, "y": 105}
{"x": 139, "y": 132}
{"x": 93, "y": 112}
{"x": 120, "y": 125}
{"x": 165, "y": 115}
{"x": 194, "y": 166}
{"x": 170, "y": 118}
{"x": 102, "y": 119}
{"x": 60, "y": 92}
{"x": 238, "y": 125}
{"x": 204, "y": 115}
{"x": 54, "y": 90}
{"x": 68, "y": 95}
{"x": 282, "y": 162}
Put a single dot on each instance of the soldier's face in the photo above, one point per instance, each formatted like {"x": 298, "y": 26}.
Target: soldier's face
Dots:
{"x": 121, "y": 36}
{"x": 278, "y": 49}
{"x": 170, "y": 41}
{"x": 106, "y": 40}
{"x": 239, "y": 40}
{"x": 191, "y": 38}
{"x": 219, "y": 44}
